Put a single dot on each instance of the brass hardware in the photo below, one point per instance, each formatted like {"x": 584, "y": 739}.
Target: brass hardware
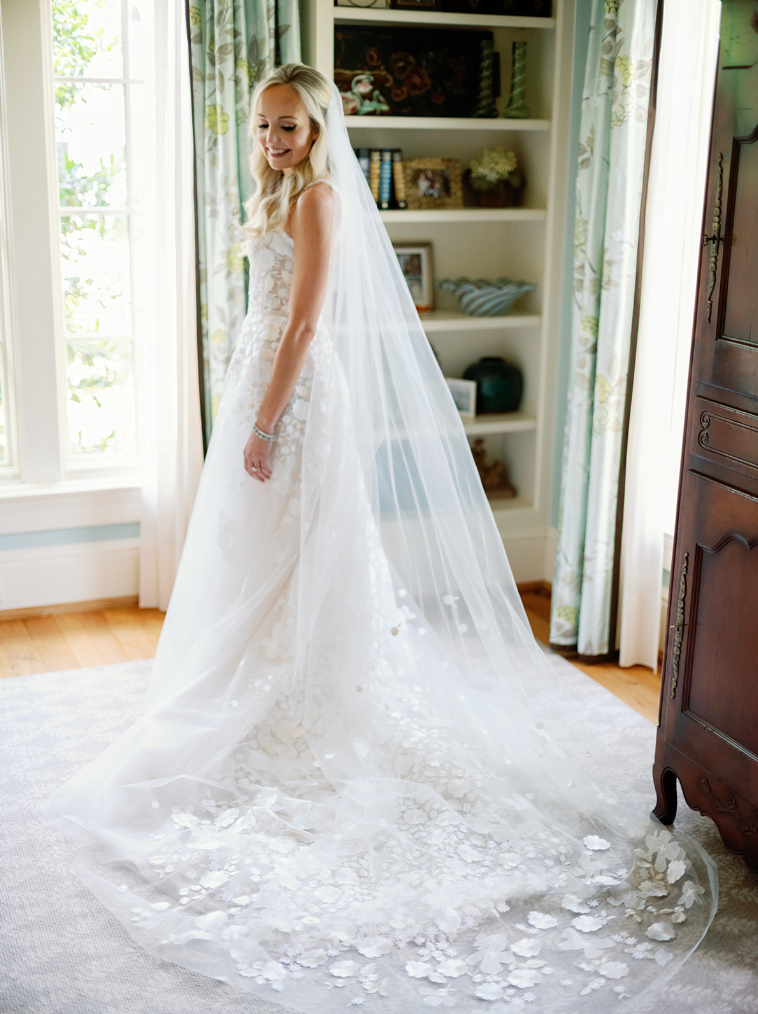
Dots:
{"x": 716, "y": 238}
{"x": 679, "y": 629}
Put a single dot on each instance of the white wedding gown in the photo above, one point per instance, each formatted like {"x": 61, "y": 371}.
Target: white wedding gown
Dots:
{"x": 329, "y": 802}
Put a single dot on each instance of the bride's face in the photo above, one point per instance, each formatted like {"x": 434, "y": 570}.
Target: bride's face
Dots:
{"x": 283, "y": 128}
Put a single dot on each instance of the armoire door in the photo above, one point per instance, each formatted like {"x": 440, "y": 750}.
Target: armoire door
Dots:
{"x": 708, "y": 724}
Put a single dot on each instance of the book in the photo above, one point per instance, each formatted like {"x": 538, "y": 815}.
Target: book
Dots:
{"x": 385, "y": 179}
{"x": 398, "y": 178}
{"x": 363, "y": 160}
{"x": 375, "y": 172}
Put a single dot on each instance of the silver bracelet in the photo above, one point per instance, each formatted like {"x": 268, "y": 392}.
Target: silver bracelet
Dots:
{"x": 264, "y": 436}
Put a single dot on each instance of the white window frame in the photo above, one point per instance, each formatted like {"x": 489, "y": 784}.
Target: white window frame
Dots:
{"x": 95, "y": 466}
{"x": 9, "y": 468}
{"x": 72, "y": 496}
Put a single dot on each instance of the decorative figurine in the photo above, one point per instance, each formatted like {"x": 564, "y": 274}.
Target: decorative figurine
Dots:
{"x": 495, "y": 479}
{"x": 517, "y": 108}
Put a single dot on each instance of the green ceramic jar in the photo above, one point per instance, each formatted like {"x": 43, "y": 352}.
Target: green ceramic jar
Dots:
{"x": 499, "y": 385}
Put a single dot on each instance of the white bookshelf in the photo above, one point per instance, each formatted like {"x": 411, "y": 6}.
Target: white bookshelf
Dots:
{"x": 454, "y": 215}
{"x": 383, "y": 16}
{"x": 453, "y": 320}
{"x": 525, "y": 242}
{"x": 444, "y": 123}
{"x": 507, "y": 422}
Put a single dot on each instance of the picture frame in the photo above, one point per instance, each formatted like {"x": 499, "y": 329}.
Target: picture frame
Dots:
{"x": 417, "y": 70}
{"x": 367, "y": 4}
{"x": 415, "y": 5}
{"x": 415, "y": 261}
{"x": 433, "y": 183}
{"x": 464, "y": 396}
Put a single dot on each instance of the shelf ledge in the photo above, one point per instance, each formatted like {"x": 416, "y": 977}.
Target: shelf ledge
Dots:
{"x": 509, "y": 422}
{"x": 503, "y": 505}
{"x": 454, "y": 320}
{"x": 452, "y": 215}
{"x": 436, "y": 19}
{"x": 444, "y": 123}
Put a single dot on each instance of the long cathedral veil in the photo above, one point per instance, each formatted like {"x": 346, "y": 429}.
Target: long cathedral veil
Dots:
{"x": 442, "y": 825}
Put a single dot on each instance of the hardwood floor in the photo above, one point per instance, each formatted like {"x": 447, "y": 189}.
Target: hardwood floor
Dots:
{"x": 75, "y": 640}
{"x": 72, "y": 640}
{"x": 636, "y": 685}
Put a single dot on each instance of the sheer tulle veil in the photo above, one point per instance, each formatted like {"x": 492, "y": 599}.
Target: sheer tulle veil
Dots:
{"x": 442, "y": 836}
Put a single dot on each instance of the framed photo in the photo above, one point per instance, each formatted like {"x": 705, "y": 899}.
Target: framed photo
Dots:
{"x": 433, "y": 182}
{"x": 415, "y": 261}
{"x": 464, "y": 396}
{"x": 361, "y": 3}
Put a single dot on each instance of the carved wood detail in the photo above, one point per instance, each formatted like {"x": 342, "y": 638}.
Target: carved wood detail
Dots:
{"x": 735, "y": 817}
{"x": 741, "y": 432}
{"x": 679, "y": 629}
{"x": 715, "y": 239}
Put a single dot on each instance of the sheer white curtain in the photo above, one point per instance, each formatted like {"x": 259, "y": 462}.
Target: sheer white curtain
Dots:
{"x": 165, "y": 272}
{"x": 673, "y": 219}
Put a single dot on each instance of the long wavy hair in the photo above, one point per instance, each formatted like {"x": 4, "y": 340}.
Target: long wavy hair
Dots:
{"x": 269, "y": 208}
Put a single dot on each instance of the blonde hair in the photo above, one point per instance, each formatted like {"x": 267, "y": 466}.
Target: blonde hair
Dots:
{"x": 269, "y": 208}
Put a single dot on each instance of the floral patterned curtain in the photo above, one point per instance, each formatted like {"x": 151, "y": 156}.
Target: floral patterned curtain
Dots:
{"x": 608, "y": 196}
{"x": 233, "y": 44}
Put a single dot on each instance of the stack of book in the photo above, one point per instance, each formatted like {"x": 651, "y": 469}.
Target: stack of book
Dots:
{"x": 383, "y": 169}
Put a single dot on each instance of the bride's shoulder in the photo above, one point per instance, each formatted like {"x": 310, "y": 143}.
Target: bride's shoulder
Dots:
{"x": 314, "y": 206}
{"x": 316, "y": 195}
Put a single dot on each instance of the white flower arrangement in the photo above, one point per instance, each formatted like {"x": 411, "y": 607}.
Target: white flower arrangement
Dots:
{"x": 493, "y": 166}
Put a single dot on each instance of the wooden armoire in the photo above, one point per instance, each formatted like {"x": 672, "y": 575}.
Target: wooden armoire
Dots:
{"x": 708, "y": 724}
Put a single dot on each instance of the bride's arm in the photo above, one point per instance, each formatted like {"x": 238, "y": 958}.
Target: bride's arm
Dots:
{"x": 311, "y": 226}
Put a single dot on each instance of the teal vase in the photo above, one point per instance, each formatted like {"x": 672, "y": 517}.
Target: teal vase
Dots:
{"x": 499, "y": 385}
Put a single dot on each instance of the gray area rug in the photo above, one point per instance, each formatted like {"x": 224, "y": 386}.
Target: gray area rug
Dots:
{"x": 62, "y": 953}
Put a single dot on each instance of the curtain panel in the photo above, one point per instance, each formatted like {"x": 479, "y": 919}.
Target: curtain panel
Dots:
{"x": 169, "y": 410}
{"x": 233, "y": 45}
{"x": 674, "y": 214}
{"x": 613, "y": 137}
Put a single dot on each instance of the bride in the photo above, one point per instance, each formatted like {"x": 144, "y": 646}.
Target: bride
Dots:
{"x": 353, "y": 781}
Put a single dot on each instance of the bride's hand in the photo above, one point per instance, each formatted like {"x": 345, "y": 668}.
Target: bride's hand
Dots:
{"x": 257, "y": 456}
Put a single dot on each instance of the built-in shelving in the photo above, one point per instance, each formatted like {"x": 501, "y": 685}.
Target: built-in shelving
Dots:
{"x": 450, "y": 320}
{"x": 452, "y": 215}
{"x": 437, "y": 19}
{"x": 522, "y": 242}
{"x": 444, "y": 123}
{"x": 509, "y": 422}
{"x": 504, "y": 505}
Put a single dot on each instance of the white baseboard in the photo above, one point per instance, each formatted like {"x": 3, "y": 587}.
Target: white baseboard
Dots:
{"x": 78, "y": 572}
{"x": 531, "y": 554}
{"x": 75, "y": 572}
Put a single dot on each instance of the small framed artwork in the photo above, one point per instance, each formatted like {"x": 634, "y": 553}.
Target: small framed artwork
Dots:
{"x": 464, "y": 396}
{"x": 415, "y": 261}
{"x": 433, "y": 182}
{"x": 409, "y": 5}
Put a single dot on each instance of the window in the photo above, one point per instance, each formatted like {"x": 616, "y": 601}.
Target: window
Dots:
{"x": 98, "y": 223}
